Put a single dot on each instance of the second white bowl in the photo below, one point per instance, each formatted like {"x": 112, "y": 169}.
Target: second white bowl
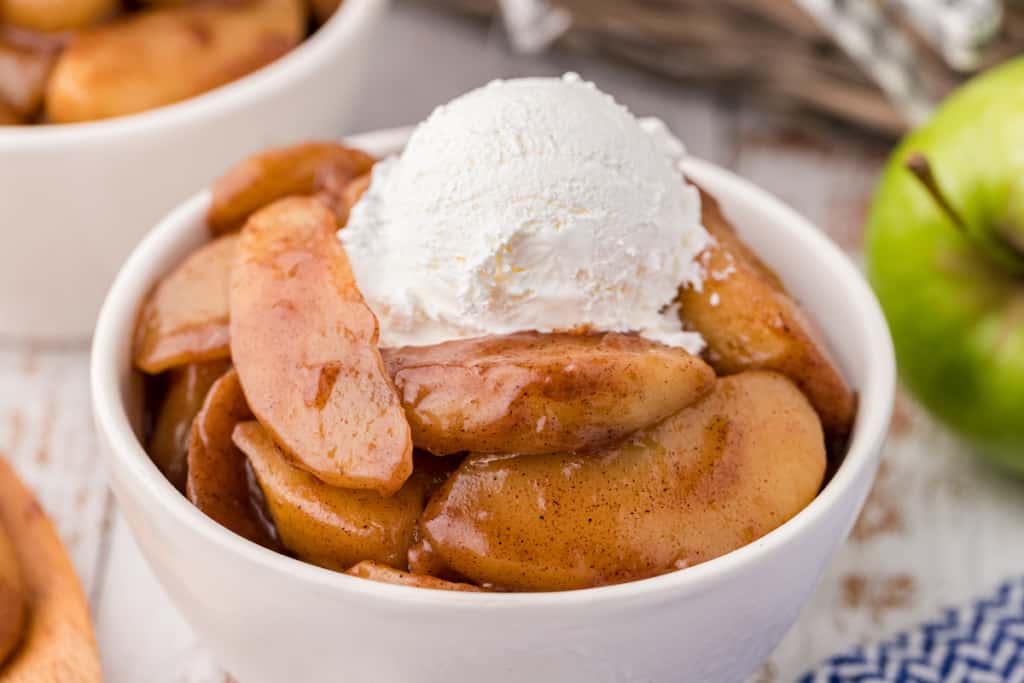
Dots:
{"x": 269, "y": 618}
{"x": 74, "y": 199}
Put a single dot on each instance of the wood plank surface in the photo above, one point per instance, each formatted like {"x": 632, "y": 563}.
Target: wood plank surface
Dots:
{"x": 46, "y": 431}
{"x": 939, "y": 527}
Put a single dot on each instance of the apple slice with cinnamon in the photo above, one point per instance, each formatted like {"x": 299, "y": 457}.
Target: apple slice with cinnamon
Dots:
{"x": 305, "y": 346}
{"x": 187, "y": 388}
{"x": 541, "y": 393}
{"x": 330, "y": 526}
{"x": 321, "y": 169}
{"x": 218, "y": 483}
{"x": 711, "y": 478}
{"x": 185, "y": 319}
{"x": 750, "y": 322}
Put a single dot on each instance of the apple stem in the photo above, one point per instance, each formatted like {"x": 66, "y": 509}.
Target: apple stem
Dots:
{"x": 918, "y": 164}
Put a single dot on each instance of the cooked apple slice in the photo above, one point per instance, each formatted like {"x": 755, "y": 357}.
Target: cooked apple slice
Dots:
{"x": 57, "y": 645}
{"x": 750, "y": 322}
{"x": 48, "y": 17}
{"x": 330, "y": 526}
{"x": 541, "y": 393}
{"x": 186, "y": 390}
{"x": 305, "y": 346}
{"x": 218, "y": 483}
{"x": 185, "y": 319}
{"x": 711, "y": 478}
{"x": 374, "y": 571}
{"x": 143, "y": 60}
{"x": 324, "y": 169}
{"x": 13, "y": 604}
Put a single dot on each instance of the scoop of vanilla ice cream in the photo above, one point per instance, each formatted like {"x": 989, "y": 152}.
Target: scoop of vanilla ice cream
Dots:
{"x": 528, "y": 204}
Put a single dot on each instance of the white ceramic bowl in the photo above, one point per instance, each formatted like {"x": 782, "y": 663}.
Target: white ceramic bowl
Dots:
{"x": 74, "y": 199}
{"x": 269, "y": 618}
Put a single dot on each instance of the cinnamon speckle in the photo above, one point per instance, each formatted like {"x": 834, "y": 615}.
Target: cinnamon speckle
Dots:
{"x": 882, "y": 514}
{"x": 902, "y": 418}
{"x": 42, "y": 454}
{"x": 878, "y": 594}
{"x": 200, "y": 32}
{"x": 17, "y": 433}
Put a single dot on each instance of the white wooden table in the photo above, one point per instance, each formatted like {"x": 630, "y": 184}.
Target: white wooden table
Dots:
{"x": 939, "y": 527}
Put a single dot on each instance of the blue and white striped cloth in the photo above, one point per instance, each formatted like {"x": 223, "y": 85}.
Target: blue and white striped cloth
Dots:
{"x": 980, "y": 643}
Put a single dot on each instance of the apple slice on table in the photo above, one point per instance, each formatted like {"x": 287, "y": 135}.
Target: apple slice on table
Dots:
{"x": 218, "y": 483}
{"x": 374, "y": 571}
{"x": 750, "y": 322}
{"x": 322, "y": 169}
{"x": 945, "y": 253}
{"x": 305, "y": 346}
{"x": 330, "y": 526}
{"x": 185, "y": 318}
{"x": 57, "y": 645}
{"x": 711, "y": 478}
{"x": 187, "y": 387}
{"x": 541, "y": 393}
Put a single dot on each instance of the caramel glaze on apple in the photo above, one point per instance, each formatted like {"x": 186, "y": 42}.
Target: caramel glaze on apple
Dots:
{"x": 750, "y": 322}
{"x": 305, "y": 346}
{"x": 144, "y": 60}
{"x": 706, "y": 481}
{"x": 322, "y": 169}
{"x": 541, "y": 393}
{"x": 331, "y": 526}
{"x": 218, "y": 480}
{"x": 187, "y": 388}
{"x": 185, "y": 318}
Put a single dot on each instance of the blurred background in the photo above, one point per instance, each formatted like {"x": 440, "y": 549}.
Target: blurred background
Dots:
{"x": 878, "y": 65}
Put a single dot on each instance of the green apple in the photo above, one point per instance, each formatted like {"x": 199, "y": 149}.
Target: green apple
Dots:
{"x": 945, "y": 249}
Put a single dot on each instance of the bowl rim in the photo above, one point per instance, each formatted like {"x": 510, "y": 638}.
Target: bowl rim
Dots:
{"x": 344, "y": 26}
{"x": 124, "y": 452}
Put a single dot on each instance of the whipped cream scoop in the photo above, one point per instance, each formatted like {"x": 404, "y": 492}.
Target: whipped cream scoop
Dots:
{"x": 529, "y": 204}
